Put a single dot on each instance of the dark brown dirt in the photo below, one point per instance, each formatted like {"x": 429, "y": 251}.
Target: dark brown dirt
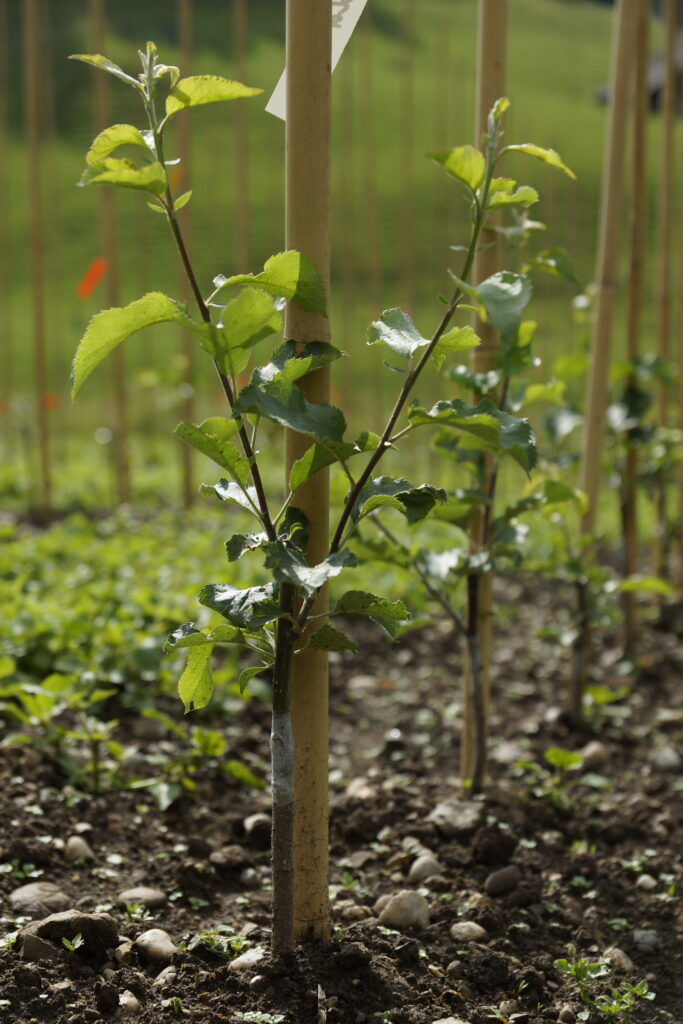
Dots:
{"x": 580, "y": 848}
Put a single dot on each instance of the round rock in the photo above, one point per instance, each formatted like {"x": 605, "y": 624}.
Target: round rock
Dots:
{"x": 646, "y": 882}
{"x": 257, "y": 828}
{"x": 566, "y": 1015}
{"x": 143, "y": 895}
{"x": 595, "y": 755}
{"x": 38, "y": 899}
{"x": 77, "y": 849}
{"x": 456, "y": 819}
{"x": 667, "y": 759}
{"x": 423, "y": 868}
{"x": 468, "y": 931}
{"x": 246, "y": 960}
{"x": 156, "y": 946}
{"x": 99, "y": 931}
{"x": 130, "y": 1006}
{"x": 619, "y": 960}
{"x": 406, "y": 911}
{"x": 645, "y": 939}
{"x": 501, "y": 882}
{"x": 165, "y": 977}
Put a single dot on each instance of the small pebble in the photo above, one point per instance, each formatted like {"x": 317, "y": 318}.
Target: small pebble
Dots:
{"x": 156, "y": 945}
{"x": 38, "y": 899}
{"x": 143, "y": 895}
{"x": 380, "y": 903}
{"x": 130, "y": 1007}
{"x": 468, "y": 931}
{"x": 123, "y": 954}
{"x": 645, "y": 939}
{"x": 77, "y": 849}
{"x": 456, "y": 819}
{"x": 257, "y": 828}
{"x": 249, "y": 878}
{"x": 667, "y": 759}
{"x": 165, "y": 977}
{"x": 406, "y": 911}
{"x": 423, "y": 868}
{"x": 620, "y": 961}
{"x": 501, "y": 882}
{"x": 258, "y": 983}
{"x": 595, "y": 755}
{"x": 646, "y": 882}
{"x": 566, "y": 1015}
{"x": 246, "y": 960}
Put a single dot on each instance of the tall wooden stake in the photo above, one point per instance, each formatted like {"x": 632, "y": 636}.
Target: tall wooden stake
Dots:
{"x": 372, "y": 199}
{"x": 187, "y": 346}
{"x": 309, "y": 43}
{"x": 408, "y": 256}
{"x": 241, "y": 149}
{"x": 110, "y": 247}
{"x": 490, "y": 86}
{"x": 33, "y": 130}
{"x": 635, "y": 294}
{"x": 625, "y": 21}
{"x": 6, "y": 310}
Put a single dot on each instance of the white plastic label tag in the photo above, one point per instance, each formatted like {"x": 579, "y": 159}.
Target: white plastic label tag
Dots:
{"x": 345, "y": 15}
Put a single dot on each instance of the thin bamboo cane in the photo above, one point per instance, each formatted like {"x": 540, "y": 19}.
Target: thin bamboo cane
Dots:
{"x": 187, "y": 347}
{"x": 346, "y": 220}
{"x": 32, "y": 80}
{"x": 408, "y": 234}
{"x": 490, "y": 86}
{"x": 309, "y": 43}
{"x": 443, "y": 132}
{"x": 6, "y": 305}
{"x": 240, "y": 112}
{"x": 371, "y": 195}
{"x": 635, "y": 295}
{"x": 625, "y": 20}
{"x": 109, "y": 238}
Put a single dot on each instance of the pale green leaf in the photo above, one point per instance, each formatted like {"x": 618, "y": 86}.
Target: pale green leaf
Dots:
{"x": 200, "y": 89}
{"x": 398, "y": 332}
{"x": 126, "y": 174}
{"x": 548, "y": 156}
{"x": 292, "y": 276}
{"x": 465, "y": 163}
{"x": 98, "y": 61}
{"x": 213, "y": 438}
{"x": 182, "y": 200}
{"x": 246, "y": 609}
{"x": 109, "y": 140}
{"x": 638, "y": 584}
{"x": 458, "y": 339}
{"x": 195, "y": 686}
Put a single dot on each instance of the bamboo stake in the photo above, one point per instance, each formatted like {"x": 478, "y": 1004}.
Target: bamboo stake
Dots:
{"x": 6, "y": 310}
{"x": 610, "y": 222}
{"x": 109, "y": 236}
{"x": 241, "y": 125}
{"x": 33, "y": 130}
{"x": 443, "y": 131}
{"x": 490, "y": 86}
{"x": 635, "y": 294}
{"x": 409, "y": 260}
{"x": 346, "y": 223}
{"x": 187, "y": 347}
{"x": 309, "y": 42}
{"x": 372, "y": 198}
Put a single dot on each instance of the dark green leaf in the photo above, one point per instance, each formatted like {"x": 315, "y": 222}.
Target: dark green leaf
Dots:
{"x": 327, "y": 638}
{"x": 247, "y": 674}
{"x": 318, "y": 456}
{"x": 499, "y": 431}
{"x": 289, "y": 565}
{"x": 188, "y": 635}
{"x": 554, "y": 261}
{"x": 388, "y": 614}
{"x": 505, "y": 296}
{"x": 413, "y": 502}
{"x": 195, "y": 686}
{"x": 398, "y": 332}
{"x": 213, "y": 438}
{"x": 283, "y": 402}
{"x": 227, "y": 490}
{"x": 288, "y": 274}
{"x": 240, "y": 543}
{"x": 200, "y": 89}
{"x": 240, "y": 771}
{"x": 289, "y": 364}
{"x": 247, "y": 609}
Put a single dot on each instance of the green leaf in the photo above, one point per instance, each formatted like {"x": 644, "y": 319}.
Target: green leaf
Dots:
{"x": 288, "y": 565}
{"x": 327, "y": 638}
{"x": 195, "y": 686}
{"x": 284, "y": 402}
{"x": 247, "y": 674}
{"x": 458, "y": 339}
{"x": 413, "y": 502}
{"x": 238, "y": 770}
{"x": 290, "y": 275}
{"x": 557, "y": 757}
{"x": 200, "y": 89}
{"x": 388, "y": 614}
{"x": 499, "y": 431}
{"x": 247, "y": 609}
{"x": 552, "y": 391}
{"x": 109, "y": 328}
{"x": 398, "y": 332}
{"x": 465, "y": 163}
{"x": 638, "y": 584}
{"x": 188, "y": 635}
{"x": 126, "y": 174}
{"x": 548, "y": 156}
{"x": 248, "y": 318}
{"x": 557, "y": 493}
{"x": 319, "y": 456}
{"x": 505, "y": 296}
{"x": 213, "y": 438}
{"x": 505, "y": 192}
{"x": 7, "y": 666}
{"x": 228, "y": 490}
{"x": 109, "y": 140}
{"x": 288, "y": 364}
{"x": 98, "y": 61}
{"x": 240, "y": 543}
{"x": 554, "y": 261}
{"x": 182, "y": 200}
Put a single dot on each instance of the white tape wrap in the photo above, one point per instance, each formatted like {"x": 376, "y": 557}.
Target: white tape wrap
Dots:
{"x": 282, "y": 757}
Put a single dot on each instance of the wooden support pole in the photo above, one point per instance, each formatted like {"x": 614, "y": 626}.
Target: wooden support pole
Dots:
{"x": 490, "y": 86}
{"x": 31, "y": 29}
{"x": 365, "y": 86}
{"x": 625, "y": 21}
{"x": 6, "y": 306}
{"x": 641, "y": 107}
{"x": 409, "y": 261}
{"x": 240, "y": 113}
{"x": 109, "y": 236}
{"x": 187, "y": 346}
{"x": 666, "y": 195}
{"x": 309, "y": 46}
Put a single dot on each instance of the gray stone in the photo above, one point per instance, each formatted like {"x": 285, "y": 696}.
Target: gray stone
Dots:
{"x": 99, "y": 931}
{"x": 35, "y": 949}
{"x": 451, "y": 1020}
{"x": 645, "y": 939}
{"x": 595, "y": 755}
{"x": 566, "y": 1015}
{"x": 77, "y": 849}
{"x": 38, "y": 899}
{"x": 123, "y": 954}
{"x": 380, "y": 903}
{"x": 156, "y": 946}
{"x": 129, "y": 1004}
{"x": 165, "y": 977}
{"x": 619, "y": 960}
{"x": 257, "y": 828}
{"x": 426, "y": 866}
{"x": 667, "y": 759}
{"x": 249, "y": 878}
{"x": 646, "y": 882}
{"x": 503, "y": 881}
{"x": 143, "y": 895}
{"x": 229, "y": 858}
{"x": 406, "y": 911}
{"x": 247, "y": 960}
{"x": 456, "y": 819}
{"x": 468, "y": 931}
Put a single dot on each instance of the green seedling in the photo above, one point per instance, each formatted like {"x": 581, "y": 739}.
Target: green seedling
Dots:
{"x": 73, "y": 944}
{"x": 551, "y": 785}
{"x": 617, "y": 1003}
{"x": 220, "y": 942}
{"x": 274, "y": 620}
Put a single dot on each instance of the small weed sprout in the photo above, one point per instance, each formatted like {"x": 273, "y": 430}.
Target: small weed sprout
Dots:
{"x": 73, "y": 944}
{"x": 617, "y": 1003}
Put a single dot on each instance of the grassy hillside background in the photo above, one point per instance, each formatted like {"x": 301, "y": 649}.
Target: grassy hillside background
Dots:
{"x": 403, "y": 87}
